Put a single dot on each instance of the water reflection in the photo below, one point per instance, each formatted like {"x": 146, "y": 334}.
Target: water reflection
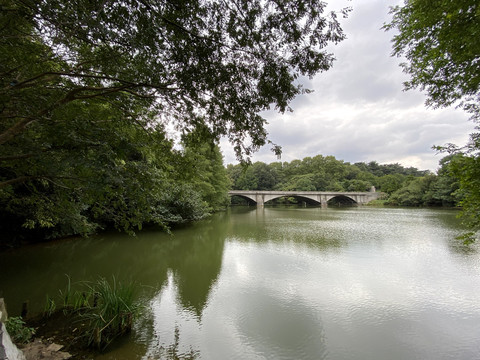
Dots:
{"x": 33, "y": 272}
{"x": 197, "y": 266}
{"x": 256, "y": 310}
{"x": 167, "y": 340}
{"x": 275, "y": 327}
{"x": 284, "y": 283}
{"x": 308, "y": 227}
{"x": 268, "y": 314}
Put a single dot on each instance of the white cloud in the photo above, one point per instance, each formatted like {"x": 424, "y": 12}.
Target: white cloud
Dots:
{"x": 358, "y": 110}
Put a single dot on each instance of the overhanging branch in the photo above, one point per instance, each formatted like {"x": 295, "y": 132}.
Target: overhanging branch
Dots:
{"x": 74, "y": 94}
{"x": 23, "y": 179}
{"x": 17, "y": 180}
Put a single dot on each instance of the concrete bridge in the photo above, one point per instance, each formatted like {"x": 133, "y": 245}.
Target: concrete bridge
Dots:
{"x": 316, "y": 197}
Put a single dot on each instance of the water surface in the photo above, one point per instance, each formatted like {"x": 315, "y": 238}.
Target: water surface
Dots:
{"x": 280, "y": 283}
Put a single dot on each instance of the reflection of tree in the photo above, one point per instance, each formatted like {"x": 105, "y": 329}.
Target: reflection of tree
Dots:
{"x": 173, "y": 353}
{"x": 313, "y": 228}
{"x": 193, "y": 260}
{"x": 144, "y": 260}
{"x": 196, "y": 263}
{"x": 449, "y": 220}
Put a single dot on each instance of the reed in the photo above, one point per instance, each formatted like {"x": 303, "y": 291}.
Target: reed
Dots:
{"x": 113, "y": 312}
{"x": 108, "y": 308}
{"x": 50, "y": 307}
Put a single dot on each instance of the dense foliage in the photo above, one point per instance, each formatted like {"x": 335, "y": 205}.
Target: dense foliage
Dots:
{"x": 87, "y": 90}
{"x": 402, "y": 186}
{"x": 441, "y": 43}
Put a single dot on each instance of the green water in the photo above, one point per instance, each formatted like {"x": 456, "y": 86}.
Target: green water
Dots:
{"x": 279, "y": 283}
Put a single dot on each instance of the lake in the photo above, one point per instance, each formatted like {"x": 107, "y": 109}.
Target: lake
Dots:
{"x": 279, "y": 283}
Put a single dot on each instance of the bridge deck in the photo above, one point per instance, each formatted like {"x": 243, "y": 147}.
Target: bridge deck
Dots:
{"x": 320, "y": 197}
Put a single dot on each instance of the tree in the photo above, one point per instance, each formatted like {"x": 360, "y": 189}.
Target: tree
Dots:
{"x": 318, "y": 174}
{"x": 266, "y": 178}
{"x": 234, "y": 172}
{"x": 357, "y": 185}
{"x": 300, "y": 183}
{"x": 412, "y": 193}
{"x": 87, "y": 89}
{"x": 390, "y": 183}
{"x": 467, "y": 170}
{"x": 247, "y": 180}
{"x": 375, "y": 168}
{"x": 441, "y": 43}
{"x": 276, "y": 169}
{"x": 202, "y": 168}
{"x": 216, "y": 63}
{"x": 320, "y": 180}
{"x": 293, "y": 168}
{"x": 446, "y": 188}
{"x": 334, "y": 168}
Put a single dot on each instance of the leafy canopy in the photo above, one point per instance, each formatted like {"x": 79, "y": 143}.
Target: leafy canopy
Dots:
{"x": 441, "y": 42}
{"x": 193, "y": 62}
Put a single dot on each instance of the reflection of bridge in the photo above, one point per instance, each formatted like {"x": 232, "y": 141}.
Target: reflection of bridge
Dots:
{"x": 317, "y": 197}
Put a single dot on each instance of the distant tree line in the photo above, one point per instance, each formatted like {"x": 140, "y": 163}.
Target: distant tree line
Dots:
{"x": 405, "y": 186}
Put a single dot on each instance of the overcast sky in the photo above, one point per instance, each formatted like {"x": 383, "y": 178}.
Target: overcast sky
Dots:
{"x": 358, "y": 110}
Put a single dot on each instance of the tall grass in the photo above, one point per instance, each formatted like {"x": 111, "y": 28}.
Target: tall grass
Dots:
{"x": 108, "y": 308}
{"x": 112, "y": 311}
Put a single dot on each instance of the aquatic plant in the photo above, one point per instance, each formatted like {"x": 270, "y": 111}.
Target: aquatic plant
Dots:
{"x": 50, "y": 306}
{"x": 112, "y": 312}
{"x": 107, "y": 308}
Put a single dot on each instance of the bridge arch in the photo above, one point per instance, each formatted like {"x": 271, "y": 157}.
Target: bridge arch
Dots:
{"x": 341, "y": 199}
{"x": 308, "y": 199}
{"x": 251, "y": 200}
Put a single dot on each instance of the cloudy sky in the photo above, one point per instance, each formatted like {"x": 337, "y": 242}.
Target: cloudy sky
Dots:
{"x": 358, "y": 110}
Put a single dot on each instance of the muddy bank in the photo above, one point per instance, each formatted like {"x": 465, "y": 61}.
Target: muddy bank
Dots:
{"x": 58, "y": 335}
{"x": 37, "y": 349}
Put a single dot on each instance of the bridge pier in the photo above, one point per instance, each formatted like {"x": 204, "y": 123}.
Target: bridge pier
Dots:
{"x": 322, "y": 200}
{"x": 260, "y": 199}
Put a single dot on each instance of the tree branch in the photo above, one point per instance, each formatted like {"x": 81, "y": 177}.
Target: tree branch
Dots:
{"x": 17, "y": 180}
{"x": 22, "y": 179}
{"x": 17, "y": 128}
{"x": 16, "y": 157}
{"x": 127, "y": 86}
{"x": 189, "y": 32}
{"x": 93, "y": 76}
